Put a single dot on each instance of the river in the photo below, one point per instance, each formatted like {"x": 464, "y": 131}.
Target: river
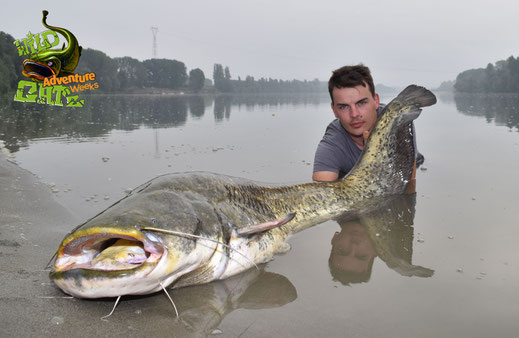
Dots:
{"x": 441, "y": 263}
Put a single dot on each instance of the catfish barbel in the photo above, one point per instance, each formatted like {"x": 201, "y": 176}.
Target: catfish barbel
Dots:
{"x": 193, "y": 228}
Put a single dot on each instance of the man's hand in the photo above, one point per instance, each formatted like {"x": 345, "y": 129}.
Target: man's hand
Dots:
{"x": 365, "y": 136}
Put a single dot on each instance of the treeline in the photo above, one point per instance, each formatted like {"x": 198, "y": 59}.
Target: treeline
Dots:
{"x": 224, "y": 83}
{"x": 112, "y": 74}
{"x": 121, "y": 74}
{"x": 124, "y": 74}
{"x": 10, "y": 63}
{"x": 503, "y": 77}
{"x": 263, "y": 85}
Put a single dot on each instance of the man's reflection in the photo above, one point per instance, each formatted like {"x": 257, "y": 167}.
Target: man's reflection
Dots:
{"x": 386, "y": 233}
{"x": 352, "y": 254}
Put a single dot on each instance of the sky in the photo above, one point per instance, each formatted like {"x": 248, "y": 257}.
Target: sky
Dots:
{"x": 402, "y": 41}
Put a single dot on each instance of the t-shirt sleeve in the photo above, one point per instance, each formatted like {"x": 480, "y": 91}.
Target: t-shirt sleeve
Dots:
{"x": 326, "y": 158}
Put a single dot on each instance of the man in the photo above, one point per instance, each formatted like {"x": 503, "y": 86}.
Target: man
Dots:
{"x": 352, "y": 255}
{"x": 356, "y": 107}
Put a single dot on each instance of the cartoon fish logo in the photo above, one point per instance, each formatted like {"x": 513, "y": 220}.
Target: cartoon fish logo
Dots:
{"x": 53, "y": 62}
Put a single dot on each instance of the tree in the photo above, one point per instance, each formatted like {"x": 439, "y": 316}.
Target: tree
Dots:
{"x": 501, "y": 78}
{"x": 130, "y": 72}
{"x": 196, "y": 79}
{"x": 222, "y": 81}
{"x": 227, "y": 73}
{"x": 10, "y": 63}
{"x": 105, "y": 68}
{"x": 164, "y": 73}
{"x": 218, "y": 76}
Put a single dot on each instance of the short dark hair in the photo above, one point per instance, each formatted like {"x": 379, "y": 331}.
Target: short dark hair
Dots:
{"x": 351, "y": 76}
{"x": 347, "y": 277}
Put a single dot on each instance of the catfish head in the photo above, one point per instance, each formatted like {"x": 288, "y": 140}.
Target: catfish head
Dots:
{"x": 112, "y": 254}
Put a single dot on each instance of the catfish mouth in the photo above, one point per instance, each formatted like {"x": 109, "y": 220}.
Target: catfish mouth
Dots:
{"x": 36, "y": 70}
{"x": 108, "y": 253}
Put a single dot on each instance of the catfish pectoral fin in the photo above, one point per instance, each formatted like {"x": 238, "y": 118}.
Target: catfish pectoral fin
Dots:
{"x": 253, "y": 229}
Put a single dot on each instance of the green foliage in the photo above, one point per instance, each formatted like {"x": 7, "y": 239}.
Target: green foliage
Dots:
{"x": 105, "y": 68}
{"x": 10, "y": 64}
{"x": 164, "y": 73}
{"x": 120, "y": 74}
{"x": 222, "y": 81}
{"x": 250, "y": 85}
{"x": 131, "y": 73}
{"x": 196, "y": 80}
{"x": 224, "y": 84}
{"x": 501, "y": 78}
{"x": 446, "y": 86}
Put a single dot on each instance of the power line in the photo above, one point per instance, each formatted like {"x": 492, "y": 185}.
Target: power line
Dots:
{"x": 154, "y": 31}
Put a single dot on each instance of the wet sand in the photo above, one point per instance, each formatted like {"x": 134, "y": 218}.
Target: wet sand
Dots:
{"x": 31, "y": 226}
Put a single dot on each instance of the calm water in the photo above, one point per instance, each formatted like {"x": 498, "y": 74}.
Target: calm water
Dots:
{"x": 446, "y": 265}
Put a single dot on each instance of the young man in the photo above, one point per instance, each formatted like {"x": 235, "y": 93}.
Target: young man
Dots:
{"x": 356, "y": 107}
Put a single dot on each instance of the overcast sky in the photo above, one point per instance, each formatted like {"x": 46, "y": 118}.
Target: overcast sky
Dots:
{"x": 402, "y": 41}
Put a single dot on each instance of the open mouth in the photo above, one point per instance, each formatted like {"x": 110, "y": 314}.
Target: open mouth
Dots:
{"x": 36, "y": 70}
{"x": 105, "y": 251}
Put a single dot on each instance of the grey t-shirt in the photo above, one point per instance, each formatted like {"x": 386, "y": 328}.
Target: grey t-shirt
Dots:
{"x": 337, "y": 152}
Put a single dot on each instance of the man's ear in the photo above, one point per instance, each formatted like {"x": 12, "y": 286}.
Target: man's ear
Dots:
{"x": 377, "y": 99}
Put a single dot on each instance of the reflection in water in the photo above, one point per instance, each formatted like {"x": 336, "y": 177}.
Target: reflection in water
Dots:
{"x": 202, "y": 308}
{"x": 503, "y": 109}
{"x": 222, "y": 107}
{"x": 22, "y": 122}
{"x": 386, "y": 233}
{"x": 196, "y": 106}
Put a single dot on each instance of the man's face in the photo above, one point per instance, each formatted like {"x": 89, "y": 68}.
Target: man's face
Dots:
{"x": 356, "y": 108}
{"x": 352, "y": 250}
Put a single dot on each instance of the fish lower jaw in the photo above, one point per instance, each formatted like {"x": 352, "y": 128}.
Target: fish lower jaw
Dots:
{"x": 106, "y": 287}
{"x": 84, "y": 283}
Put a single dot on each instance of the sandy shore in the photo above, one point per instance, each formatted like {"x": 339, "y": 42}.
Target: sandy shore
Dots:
{"x": 32, "y": 224}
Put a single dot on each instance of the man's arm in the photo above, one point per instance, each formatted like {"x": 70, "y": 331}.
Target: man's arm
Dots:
{"x": 325, "y": 176}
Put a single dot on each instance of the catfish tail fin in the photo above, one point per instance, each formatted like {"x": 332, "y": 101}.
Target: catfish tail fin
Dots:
{"x": 386, "y": 163}
{"x": 416, "y": 96}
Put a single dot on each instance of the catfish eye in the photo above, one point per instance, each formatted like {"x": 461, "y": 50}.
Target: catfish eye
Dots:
{"x": 49, "y": 63}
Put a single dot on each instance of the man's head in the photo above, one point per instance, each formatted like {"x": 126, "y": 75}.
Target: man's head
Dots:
{"x": 354, "y": 101}
{"x": 350, "y": 77}
{"x": 352, "y": 255}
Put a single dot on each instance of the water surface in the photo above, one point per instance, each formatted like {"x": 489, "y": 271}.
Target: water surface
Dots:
{"x": 441, "y": 263}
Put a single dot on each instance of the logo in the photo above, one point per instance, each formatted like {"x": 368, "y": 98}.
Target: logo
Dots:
{"x": 50, "y": 71}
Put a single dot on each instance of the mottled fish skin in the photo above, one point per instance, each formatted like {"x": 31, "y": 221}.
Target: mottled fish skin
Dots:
{"x": 216, "y": 206}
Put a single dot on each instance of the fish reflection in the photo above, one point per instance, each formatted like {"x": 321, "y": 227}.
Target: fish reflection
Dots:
{"x": 203, "y": 307}
{"x": 386, "y": 233}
